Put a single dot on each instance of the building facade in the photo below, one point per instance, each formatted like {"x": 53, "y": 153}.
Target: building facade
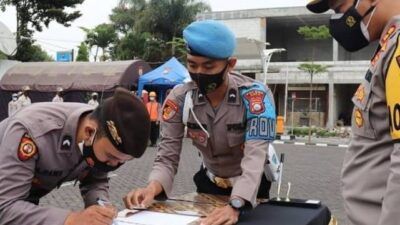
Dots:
{"x": 332, "y": 90}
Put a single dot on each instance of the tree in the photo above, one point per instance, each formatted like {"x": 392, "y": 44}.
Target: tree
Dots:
{"x": 313, "y": 34}
{"x": 37, "y": 54}
{"x": 33, "y": 15}
{"x": 83, "y": 53}
{"x": 101, "y": 37}
{"x": 154, "y": 27}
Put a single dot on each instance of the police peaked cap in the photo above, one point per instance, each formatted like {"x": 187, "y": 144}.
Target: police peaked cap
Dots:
{"x": 126, "y": 122}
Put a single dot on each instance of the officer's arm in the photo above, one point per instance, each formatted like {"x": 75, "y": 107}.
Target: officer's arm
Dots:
{"x": 260, "y": 131}
{"x": 172, "y": 131}
{"x": 17, "y": 170}
{"x": 391, "y": 198}
{"x": 93, "y": 187}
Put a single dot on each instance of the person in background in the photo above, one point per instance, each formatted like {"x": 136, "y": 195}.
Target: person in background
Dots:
{"x": 145, "y": 96}
{"x": 153, "y": 107}
{"x": 93, "y": 101}
{"x": 24, "y": 99}
{"x": 13, "y": 105}
{"x": 59, "y": 94}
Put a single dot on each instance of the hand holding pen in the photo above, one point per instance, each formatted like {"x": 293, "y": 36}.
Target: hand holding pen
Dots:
{"x": 101, "y": 214}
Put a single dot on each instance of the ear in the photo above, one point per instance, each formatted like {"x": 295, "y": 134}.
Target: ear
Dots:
{"x": 232, "y": 63}
{"x": 90, "y": 128}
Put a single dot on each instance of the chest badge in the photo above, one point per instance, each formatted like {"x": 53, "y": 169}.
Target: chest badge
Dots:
{"x": 66, "y": 142}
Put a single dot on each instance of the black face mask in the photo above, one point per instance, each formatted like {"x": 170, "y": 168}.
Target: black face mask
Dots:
{"x": 208, "y": 83}
{"x": 88, "y": 152}
{"x": 349, "y": 30}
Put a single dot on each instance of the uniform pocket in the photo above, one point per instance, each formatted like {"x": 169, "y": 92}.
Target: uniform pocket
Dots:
{"x": 236, "y": 134}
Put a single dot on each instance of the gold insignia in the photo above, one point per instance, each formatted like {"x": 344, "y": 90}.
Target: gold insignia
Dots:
{"x": 359, "y": 118}
{"x": 114, "y": 132}
{"x": 27, "y": 148}
{"x": 350, "y": 21}
{"x": 360, "y": 93}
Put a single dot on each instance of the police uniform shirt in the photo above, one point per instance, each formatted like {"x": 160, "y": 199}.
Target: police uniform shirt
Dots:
{"x": 239, "y": 134}
{"x": 37, "y": 154}
{"x": 371, "y": 169}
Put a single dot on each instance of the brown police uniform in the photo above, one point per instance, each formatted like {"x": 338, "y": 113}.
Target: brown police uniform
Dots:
{"x": 240, "y": 130}
{"x": 371, "y": 169}
{"x": 37, "y": 154}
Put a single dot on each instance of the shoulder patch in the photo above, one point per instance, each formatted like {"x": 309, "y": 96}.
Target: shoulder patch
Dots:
{"x": 27, "y": 148}
{"x": 170, "y": 110}
{"x": 260, "y": 113}
{"x": 392, "y": 82}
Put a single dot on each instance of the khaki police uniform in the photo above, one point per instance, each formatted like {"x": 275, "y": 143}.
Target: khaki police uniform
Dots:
{"x": 235, "y": 153}
{"x": 371, "y": 169}
{"x": 37, "y": 154}
{"x": 13, "y": 107}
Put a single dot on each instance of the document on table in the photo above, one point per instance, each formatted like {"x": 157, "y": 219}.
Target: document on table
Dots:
{"x": 153, "y": 218}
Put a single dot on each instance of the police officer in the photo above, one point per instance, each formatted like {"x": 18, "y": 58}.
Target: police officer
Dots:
{"x": 93, "y": 101}
{"x": 24, "y": 99}
{"x": 371, "y": 168}
{"x": 13, "y": 105}
{"x": 58, "y": 97}
{"x": 230, "y": 119}
{"x": 46, "y": 144}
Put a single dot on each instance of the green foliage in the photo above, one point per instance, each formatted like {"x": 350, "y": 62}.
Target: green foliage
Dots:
{"x": 152, "y": 30}
{"x": 83, "y": 53}
{"x": 312, "y": 69}
{"x": 319, "y": 132}
{"x": 37, "y": 54}
{"x": 314, "y": 33}
{"x": 33, "y": 15}
{"x": 102, "y": 36}
{"x": 3, "y": 56}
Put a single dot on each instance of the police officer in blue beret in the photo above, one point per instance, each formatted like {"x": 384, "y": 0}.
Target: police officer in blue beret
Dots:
{"x": 230, "y": 119}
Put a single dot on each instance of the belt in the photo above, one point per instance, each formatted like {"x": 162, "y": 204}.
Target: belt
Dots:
{"x": 219, "y": 181}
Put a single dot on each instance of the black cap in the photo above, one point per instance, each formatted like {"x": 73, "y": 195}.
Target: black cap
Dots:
{"x": 126, "y": 122}
{"x": 318, "y": 6}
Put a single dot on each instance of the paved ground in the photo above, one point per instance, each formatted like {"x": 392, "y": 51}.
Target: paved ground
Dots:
{"x": 313, "y": 171}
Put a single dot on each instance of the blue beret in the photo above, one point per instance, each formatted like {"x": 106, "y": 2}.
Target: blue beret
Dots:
{"x": 210, "y": 39}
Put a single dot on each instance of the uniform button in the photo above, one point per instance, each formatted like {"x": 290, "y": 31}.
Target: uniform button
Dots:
{"x": 60, "y": 123}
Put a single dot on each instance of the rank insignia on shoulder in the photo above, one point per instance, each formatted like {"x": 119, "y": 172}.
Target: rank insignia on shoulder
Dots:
{"x": 27, "y": 148}
{"x": 170, "y": 110}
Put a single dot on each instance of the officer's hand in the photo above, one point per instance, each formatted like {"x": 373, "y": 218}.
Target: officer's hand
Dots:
{"x": 222, "y": 216}
{"x": 142, "y": 197}
{"x": 93, "y": 215}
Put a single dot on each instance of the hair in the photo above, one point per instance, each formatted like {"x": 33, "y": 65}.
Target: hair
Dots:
{"x": 96, "y": 116}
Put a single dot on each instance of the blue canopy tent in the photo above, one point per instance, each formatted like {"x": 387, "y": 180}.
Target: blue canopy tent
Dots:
{"x": 163, "y": 78}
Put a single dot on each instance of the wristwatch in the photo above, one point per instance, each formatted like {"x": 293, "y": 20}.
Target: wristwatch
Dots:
{"x": 237, "y": 203}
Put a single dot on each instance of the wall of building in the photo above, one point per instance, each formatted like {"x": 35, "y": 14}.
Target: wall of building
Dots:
{"x": 253, "y": 28}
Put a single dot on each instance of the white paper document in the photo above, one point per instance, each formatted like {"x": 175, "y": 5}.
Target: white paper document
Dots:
{"x": 153, "y": 218}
